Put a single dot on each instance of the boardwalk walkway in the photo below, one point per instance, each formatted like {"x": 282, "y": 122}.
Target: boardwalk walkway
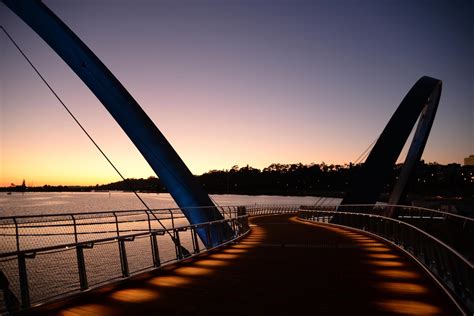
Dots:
{"x": 283, "y": 267}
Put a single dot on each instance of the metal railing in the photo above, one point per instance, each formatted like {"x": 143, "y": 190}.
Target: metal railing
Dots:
{"x": 50, "y": 256}
{"x": 257, "y": 210}
{"x": 47, "y": 257}
{"x": 450, "y": 267}
{"x": 455, "y": 230}
{"x": 424, "y": 233}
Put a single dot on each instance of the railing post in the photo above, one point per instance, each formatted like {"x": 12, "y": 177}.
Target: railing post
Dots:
{"x": 149, "y": 222}
{"x": 195, "y": 239}
{"x": 177, "y": 244}
{"x": 234, "y": 227}
{"x": 81, "y": 266}
{"x": 24, "y": 289}
{"x": 154, "y": 250}
{"x": 116, "y": 224}
{"x": 17, "y": 236}
{"x": 122, "y": 251}
{"x": 123, "y": 258}
{"x": 75, "y": 229}
{"x": 154, "y": 243}
{"x": 81, "y": 263}
{"x": 172, "y": 218}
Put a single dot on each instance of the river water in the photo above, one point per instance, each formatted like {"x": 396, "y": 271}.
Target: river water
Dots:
{"x": 39, "y": 203}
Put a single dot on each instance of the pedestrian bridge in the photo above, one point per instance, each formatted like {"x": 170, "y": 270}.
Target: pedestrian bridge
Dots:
{"x": 281, "y": 259}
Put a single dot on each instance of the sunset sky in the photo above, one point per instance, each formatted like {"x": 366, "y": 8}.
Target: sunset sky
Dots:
{"x": 235, "y": 83}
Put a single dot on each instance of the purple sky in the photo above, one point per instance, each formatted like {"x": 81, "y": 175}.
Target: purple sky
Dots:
{"x": 235, "y": 83}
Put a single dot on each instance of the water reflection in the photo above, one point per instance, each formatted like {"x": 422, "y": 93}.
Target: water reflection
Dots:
{"x": 22, "y": 204}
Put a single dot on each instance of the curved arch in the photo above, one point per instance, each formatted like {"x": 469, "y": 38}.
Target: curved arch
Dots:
{"x": 140, "y": 129}
{"x": 421, "y": 102}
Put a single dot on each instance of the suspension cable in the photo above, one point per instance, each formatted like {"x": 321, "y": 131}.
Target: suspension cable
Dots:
{"x": 127, "y": 183}
{"x": 366, "y": 152}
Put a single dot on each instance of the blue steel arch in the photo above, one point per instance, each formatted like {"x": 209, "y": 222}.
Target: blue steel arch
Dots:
{"x": 141, "y": 130}
{"x": 421, "y": 103}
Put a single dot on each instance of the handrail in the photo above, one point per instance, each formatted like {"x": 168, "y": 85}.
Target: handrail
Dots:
{"x": 470, "y": 219}
{"x": 109, "y": 212}
{"x": 23, "y": 256}
{"x": 457, "y": 254}
{"x": 81, "y": 224}
{"x": 272, "y": 209}
{"x": 453, "y": 229}
{"x": 126, "y": 229}
{"x": 453, "y": 271}
{"x": 451, "y": 268}
{"x": 115, "y": 238}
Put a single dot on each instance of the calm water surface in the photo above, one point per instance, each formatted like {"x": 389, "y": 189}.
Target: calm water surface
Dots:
{"x": 37, "y": 203}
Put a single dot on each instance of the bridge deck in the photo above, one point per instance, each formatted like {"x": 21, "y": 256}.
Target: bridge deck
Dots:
{"x": 282, "y": 267}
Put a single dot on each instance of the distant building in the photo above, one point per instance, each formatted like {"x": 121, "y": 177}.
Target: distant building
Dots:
{"x": 469, "y": 161}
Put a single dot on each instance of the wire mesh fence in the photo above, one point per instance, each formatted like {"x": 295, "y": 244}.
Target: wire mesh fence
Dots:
{"x": 455, "y": 230}
{"x": 46, "y": 257}
{"x": 453, "y": 269}
{"x": 62, "y": 276}
{"x": 139, "y": 254}
{"x": 103, "y": 263}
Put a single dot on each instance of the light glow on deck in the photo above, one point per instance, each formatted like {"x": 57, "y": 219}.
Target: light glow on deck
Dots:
{"x": 86, "y": 309}
{"x": 383, "y": 256}
{"x": 408, "y": 307}
{"x": 223, "y": 256}
{"x": 242, "y": 246}
{"x": 234, "y": 250}
{"x": 376, "y": 249}
{"x": 370, "y": 243}
{"x": 405, "y": 288}
{"x": 170, "y": 281}
{"x": 397, "y": 274}
{"x": 211, "y": 263}
{"x": 385, "y": 263}
{"x": 134, "y": 295}
{"x": 193, "y": 271}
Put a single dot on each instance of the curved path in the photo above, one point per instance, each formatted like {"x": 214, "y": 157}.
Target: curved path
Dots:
{"x": 283, "y": 267}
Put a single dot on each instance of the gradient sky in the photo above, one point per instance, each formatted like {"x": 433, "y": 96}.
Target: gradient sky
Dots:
{"x": 235, "y": 83}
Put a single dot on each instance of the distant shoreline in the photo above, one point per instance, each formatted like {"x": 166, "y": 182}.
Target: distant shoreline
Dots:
{"x": 429, "y": 181}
